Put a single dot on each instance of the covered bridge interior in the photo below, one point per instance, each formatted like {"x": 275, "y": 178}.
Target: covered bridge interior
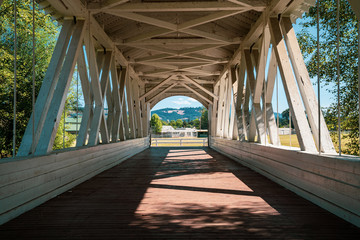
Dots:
{"x": 131, "y": 54}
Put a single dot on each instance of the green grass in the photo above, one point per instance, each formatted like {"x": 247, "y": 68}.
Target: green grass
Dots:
{"x": 289, "y": 140}
{"x": 285, "y": 141}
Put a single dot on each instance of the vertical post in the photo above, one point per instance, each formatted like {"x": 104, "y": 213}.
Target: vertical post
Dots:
{"x": 33, "y": 69}
{"x": 359, "y": 79}
{"x": 227, "y": 101}
{"x": 15, "y": 56}
{"x": 338, "y": 69}
{"x": 130, "y": 107}
{"x": 88, "y": 99}
{"x": 220, "y": 108}
{"x": 318, "y": 70}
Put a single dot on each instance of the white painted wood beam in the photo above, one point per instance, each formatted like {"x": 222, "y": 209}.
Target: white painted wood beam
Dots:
{"x": 302, "y": 128}
{"x": 244, "y": 3}
{"x": 222, "y": 89}
{"x": 173, "y": 42}
{"x": 137, "y": 107}
{"x": 153, "y": 58}
{"x": 176, "y": 61}
{"x": 46, "y": 91}
{"x": 161, "y": 92}
{"x": 274, "y": 8}
{"x": 170, "y": 78}
{"x": 106, "y": 42}
{"x": 124, "y": 125}
{"x": 197, "y": 93}
{"x": 189, "y": 53}
{"x": 267, "y": 102}
{"x": 257, "y": 120}
{"x": 245, "y": 109}
{"x": 192, "y": 81}
{"x": 233, "y": 129}
{"x": 214, "y": 112}
{"x": 226, "y": 121}
{"x": 99, "y": 88}
{"x": 184, "y": 27}
{"x": 306, "y": 88}
{"x": 179, "y": 71}
{"x": 48, "y": 133}
{"x": 108, "y": 4}
{"x": 240, "y": 76}
{"x": 198, "y": 80}
{"x": 130, "y": 103}
{"x": 184, "y": 7}
{"x": 88, "y": 99}
{"x": 261, "y": 65}
{"x": 117, "y": 103}
{"x": 143, "y": 112}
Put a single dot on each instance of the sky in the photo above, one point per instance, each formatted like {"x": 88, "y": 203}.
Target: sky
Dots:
{"x": 177, "y": 102}
{"x": 279, "y": 98}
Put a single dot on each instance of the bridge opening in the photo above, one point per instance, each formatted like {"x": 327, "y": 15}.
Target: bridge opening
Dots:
{"x": 179, "y": 121}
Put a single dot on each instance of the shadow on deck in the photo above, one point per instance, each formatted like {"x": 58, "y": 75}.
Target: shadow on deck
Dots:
{"x": 172, "y": 193}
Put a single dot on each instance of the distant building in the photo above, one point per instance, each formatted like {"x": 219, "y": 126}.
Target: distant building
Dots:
{"x": 286, "y": 131}
{"x": 170, "y": 132}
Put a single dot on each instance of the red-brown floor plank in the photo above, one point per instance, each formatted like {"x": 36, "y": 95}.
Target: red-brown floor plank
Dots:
{"x": 178, "y": 193}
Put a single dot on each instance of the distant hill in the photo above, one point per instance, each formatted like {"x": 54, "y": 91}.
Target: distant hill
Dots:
{"x": 185, "y": 113}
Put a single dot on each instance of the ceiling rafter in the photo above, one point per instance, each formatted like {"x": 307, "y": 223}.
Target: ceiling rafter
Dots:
{"x": 179, "y": 7}
{"x": 183, "y": 27}
{"x": 174, "y": 41}
{"x": 197, "y": 93}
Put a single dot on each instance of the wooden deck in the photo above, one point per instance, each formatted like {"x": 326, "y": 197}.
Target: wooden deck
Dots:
{"x": 178, "y": 193}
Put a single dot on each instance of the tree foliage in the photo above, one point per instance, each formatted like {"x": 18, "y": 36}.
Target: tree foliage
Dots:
{"x": 204, "y": 119}
{"x": 179, "y": 123}
{"x": 348, "y": 58}
{"x": 156, "y": 123}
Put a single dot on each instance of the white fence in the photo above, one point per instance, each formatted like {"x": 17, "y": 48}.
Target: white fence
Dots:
{"x": 179, "y": 142}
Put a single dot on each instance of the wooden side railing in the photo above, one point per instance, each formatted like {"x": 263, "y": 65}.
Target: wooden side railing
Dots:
{"x": 179, "y": 142}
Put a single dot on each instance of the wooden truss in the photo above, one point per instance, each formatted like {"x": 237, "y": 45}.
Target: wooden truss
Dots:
{"x": 130, "y": 55}
{"x": 102, "y": 80}
{"x": 253, "y": 91}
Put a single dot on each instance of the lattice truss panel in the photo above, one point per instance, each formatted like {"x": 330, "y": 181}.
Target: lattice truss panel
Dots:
{"x": 131, "y": 54}
{"x": 252, "y": 83}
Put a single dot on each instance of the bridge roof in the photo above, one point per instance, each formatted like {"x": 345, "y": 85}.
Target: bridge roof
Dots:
{"x": 161, "y": 39}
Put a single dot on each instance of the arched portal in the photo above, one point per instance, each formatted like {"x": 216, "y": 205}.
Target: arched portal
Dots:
{"x": 167, "y": 95}
{"x": 178, "y": 121}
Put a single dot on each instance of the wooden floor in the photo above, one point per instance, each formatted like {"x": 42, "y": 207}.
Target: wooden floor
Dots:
{"x": 178, "y": 193}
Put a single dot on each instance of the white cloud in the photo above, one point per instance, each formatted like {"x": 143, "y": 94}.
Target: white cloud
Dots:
{"x": 193, "y": 100}
{"x": 182, "y": 102}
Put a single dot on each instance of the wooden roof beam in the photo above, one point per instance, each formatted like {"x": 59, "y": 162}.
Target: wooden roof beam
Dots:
{"x": 180, "y": 7}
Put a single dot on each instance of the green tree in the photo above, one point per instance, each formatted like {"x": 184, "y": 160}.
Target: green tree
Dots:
{"x": 284, "y": 119}
{"x": 349, "y": 113}
{"x": 196, "y": 123}
{"x": 173, "y": 123}
{"x": 63, "y": 139}
{"x": 204, "y": 119}
{"x": 155, "y": 123}
{"x": 179, "y": 123}
{"x": 45, "y": 37}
